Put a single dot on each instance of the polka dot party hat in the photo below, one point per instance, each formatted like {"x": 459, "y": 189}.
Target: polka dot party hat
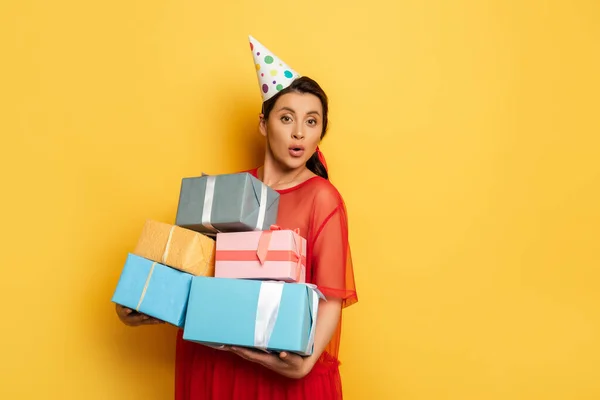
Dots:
{"x": 273, "y": 74}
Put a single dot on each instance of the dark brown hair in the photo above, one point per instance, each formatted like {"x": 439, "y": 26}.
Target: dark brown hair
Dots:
{"x": 305, "y": 85}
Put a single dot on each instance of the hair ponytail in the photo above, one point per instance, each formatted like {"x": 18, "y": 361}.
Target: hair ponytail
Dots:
{"x": 316, "y": 166}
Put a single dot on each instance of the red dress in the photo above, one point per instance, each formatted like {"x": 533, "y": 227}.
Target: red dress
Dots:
{"x": 204, "y": 373}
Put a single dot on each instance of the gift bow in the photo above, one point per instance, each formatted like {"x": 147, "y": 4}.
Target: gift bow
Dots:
{"x": 264, "y": 254}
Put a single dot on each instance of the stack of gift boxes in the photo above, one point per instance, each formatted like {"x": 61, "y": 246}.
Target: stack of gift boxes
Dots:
{"x": 224, "y": 272}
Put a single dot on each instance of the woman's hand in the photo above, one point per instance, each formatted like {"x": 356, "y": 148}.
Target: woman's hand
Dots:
{"x": 287, "y": 364}
{"x": 133, "y": 318}
{"x": 293, "y": 365}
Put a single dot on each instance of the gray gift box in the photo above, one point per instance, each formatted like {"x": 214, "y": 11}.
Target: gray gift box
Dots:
{"x": 235, "y": 203}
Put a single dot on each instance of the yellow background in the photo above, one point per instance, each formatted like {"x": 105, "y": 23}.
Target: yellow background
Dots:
{"x": 464, "y": 138}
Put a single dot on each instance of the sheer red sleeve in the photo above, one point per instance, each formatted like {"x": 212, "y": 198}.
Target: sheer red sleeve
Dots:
{"x": 332, "y": 268}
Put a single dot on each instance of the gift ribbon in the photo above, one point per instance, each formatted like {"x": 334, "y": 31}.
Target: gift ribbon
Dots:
{"x": 322, "y": 158}
{"x": 209, "y": 197}
{"x": 168, "y": 245}
{"x": 262, "y": 207}
{"x": 249, "y": 255}
{"x": 165, "y": 255}
{"x": 269, "y": 301}
{"x": 145, "y": 287}
{"x": 316, "y": 296}
{"x": 265, "y": 241}
{"x": 263, "y": 254}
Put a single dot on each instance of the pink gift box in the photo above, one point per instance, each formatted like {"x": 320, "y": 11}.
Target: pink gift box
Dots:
{"x": 276, "y": 254}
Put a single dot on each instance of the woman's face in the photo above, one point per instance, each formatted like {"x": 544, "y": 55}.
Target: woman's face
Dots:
{"x": 294, "y": 127}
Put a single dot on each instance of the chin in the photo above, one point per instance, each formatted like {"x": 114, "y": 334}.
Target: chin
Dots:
{"x": 292, "y": 164}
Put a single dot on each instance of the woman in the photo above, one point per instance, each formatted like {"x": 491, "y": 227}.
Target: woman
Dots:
{"x": 293, "y": 121}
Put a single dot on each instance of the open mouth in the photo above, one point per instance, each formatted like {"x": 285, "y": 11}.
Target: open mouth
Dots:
{"x": 296, "y": 151}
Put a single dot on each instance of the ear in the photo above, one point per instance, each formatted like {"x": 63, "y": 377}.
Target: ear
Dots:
{"x": 262, "y": 125}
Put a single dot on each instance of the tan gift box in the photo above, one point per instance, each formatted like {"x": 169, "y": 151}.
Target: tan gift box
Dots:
{"x": 177, "y": 247}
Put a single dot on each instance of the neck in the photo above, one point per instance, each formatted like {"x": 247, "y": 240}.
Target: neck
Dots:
{"x": 273, "y": 175}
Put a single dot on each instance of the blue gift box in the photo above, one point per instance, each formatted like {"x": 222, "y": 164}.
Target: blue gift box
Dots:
{"x": 273, "y": 316}
{"x": 153, "y": 289}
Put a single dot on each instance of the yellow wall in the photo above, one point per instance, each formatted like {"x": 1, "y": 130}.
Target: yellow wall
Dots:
{"x": 464, "y": 137}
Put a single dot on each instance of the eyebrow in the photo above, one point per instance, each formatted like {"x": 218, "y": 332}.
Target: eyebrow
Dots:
{"x": 294, "y": 112}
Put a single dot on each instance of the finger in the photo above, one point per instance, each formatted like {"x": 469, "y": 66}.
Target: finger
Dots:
{"x": 147, "y": 319}
{"x": 239, "y": 352}
{"x": 153, "y": 321}
{"x": 123, "y": 311}
{"x": 290, "y": 359}
{"x": 245, "y": 350}
{"x": 266, "y": 359}
{"x": 136, "y": 318}
{"x": 251, "y": 350}
{"x": 244, "y": 353}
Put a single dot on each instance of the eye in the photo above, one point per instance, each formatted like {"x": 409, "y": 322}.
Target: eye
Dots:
{"x": 312, "y": 122}
{"x": 285, "y": 119}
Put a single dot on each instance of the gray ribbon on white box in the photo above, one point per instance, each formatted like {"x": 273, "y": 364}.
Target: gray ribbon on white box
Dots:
{"x": 209, "y": 197}
{"x": 269, "y": 300}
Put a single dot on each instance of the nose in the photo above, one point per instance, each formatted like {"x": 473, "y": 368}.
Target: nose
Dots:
{"x": 298, "y": 135}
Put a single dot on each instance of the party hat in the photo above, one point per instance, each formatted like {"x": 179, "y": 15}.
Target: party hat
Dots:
{"x": 273, "y": 74}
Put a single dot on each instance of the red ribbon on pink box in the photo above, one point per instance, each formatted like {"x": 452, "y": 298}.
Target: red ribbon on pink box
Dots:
{"x": 276, "y": 254}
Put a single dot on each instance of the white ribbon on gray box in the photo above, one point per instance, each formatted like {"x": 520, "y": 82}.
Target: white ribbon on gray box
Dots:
{"x": 209, "y": 197}
{"x": 262, "y": 208}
